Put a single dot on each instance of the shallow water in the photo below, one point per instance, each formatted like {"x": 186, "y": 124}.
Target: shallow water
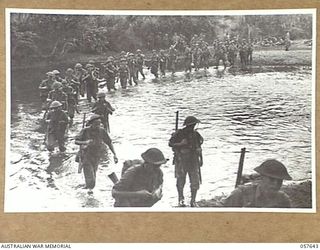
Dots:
{"x": 268, "y": 113}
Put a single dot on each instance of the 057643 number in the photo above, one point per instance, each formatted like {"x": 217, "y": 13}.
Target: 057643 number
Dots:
{"x": 308, "y": 245}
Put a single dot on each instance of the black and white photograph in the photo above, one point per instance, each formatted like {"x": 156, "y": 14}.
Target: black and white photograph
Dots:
{"x": 160, "y": 111}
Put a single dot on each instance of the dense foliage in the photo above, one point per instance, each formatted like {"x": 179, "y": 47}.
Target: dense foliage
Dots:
{"x": 51, "y": 36}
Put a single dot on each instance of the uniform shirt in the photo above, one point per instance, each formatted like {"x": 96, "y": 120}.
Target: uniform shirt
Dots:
{"x": 58, "y": 121}
{"x": 99, "y": 136}
{"x": 135, "y": 178}
{"x": 102, "y": 108}
{"x": 251, "y": 196}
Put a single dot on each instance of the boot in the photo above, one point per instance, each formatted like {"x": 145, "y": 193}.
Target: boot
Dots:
{"x": 113, "y": 177}
{"x": 193, "y": 198}
{"x": 181, "y": 198}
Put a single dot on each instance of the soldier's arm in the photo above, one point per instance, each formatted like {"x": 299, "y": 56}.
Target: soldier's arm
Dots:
{"x": 234, "y": 199}
{"x": 122, "y": 189}
{"x": 107, "y": 140}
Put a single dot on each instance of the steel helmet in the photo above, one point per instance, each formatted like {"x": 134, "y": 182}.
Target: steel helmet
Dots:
{"x": 69, "y": 70}
{"x": 101, "y": 94}
{"x": 190, "y": 120}
{"x": 138, "y": 50}
{"x": 274, "y": 169}
{"x": 55, "y": 104}
{"x": 123, "y": 59}
{"x": 154, "y": 156}
{"x": 91, "y": 62}
{"x": 49, "y": 73}
{"x": 56, "y": 72}
{"x": 93, "y": 117}
{"x": 89, "y": 66}
{"x": 78, "y": 65}
{"x": 56, "y": 85}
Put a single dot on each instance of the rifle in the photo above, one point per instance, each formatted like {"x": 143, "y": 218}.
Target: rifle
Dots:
{"x": 80, "y": 151}
{"x": 176, "y": 129}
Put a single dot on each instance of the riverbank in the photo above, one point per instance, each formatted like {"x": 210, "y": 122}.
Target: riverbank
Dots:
{"x": 300, "y": 193}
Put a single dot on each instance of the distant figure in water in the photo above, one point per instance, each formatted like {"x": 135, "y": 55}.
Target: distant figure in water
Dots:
{"x": 221, "y": 68}
{"x": 266, "y": 193}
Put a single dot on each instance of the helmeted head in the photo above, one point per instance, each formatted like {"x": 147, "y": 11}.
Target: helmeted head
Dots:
{"x": 274, "y": 169}
{"x": 154, "y": 156}
{"x": 49, "y": 74}
{"x": 78, "y": 66}
{"x": 89, "y": 66}
{"x": 91, "y": 62}
{"x": 64, "y": 82}
{"x": 56, "y": 72}
{"x": 101, "y": 95}
{"x": 138, "y": 50}
{"x": 55, "y": 104}
{"x": 69, "y": 71}
{"x": 190, "y": 120}
{"x": 56, "y": 85}
{"x": 123, "y": 59}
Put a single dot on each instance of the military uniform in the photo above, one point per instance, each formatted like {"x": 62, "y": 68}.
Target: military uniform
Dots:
{"x": 139, "y": 65}
{"x": 59, "y": 95}
{"x": 110, "y": 73}
{"x": 163, "y": 59}
{"x": 252, "y": 196}
{"x": 172, "y": 59}
{"x": 57, "y": 124}
{"x": 123, "y": 73}
{"x": 138, "y": 177}
{"x": 186, "y": 144}
{"x": 154, "y": 64}
{"x": 104, "y": 109}
{"x": 93, "y": 153}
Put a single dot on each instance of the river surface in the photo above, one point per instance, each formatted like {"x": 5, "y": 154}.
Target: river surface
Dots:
{"x": 267, "y": 113}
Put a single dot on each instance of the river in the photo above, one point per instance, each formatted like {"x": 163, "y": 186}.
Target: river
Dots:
{"x": 268, "y": 113}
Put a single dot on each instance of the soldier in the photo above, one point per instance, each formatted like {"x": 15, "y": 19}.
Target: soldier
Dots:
{"x": 197, "y": 52}
{"x": 58, "y": 95}
{"x": 71, "y": 100}
{"x": 250, "y": 52}
{"x": 79, "y": 74}
{"x": 139, "y": 63}
{"x": 265, "y": 193}
{"x": 232, "y": 53}
{"x": 45, "y": 87}
{"x": 93, "y": 140}
{"x": 243, "y": 53}
{"x": 188, "y": 59}
{"x": 132, "y": 69}
{"x": 57, "y": 121}
{"x": 57, "y": 76}
{"x": 154, "y": 63}
{"x": 90, "y": 82}
{"x": 163, "y": 59}
{"x": 73, "y": 82}
{"x": 123, "y": 73}
{"x": 110, "y": 74}
{"x": 172, "y": 59}
{"x": 186, "y": 143}
{"x": 104, "y": 109}
{"x": 141, "y": 181}
{"x": 205, "y": 55}
{"x": 220, "y": 54}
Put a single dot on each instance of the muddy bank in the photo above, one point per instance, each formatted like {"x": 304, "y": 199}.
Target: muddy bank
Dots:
{"x": 300, "y": 193}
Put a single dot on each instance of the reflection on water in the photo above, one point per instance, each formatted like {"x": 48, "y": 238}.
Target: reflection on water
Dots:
{"x": 268, "y": 113}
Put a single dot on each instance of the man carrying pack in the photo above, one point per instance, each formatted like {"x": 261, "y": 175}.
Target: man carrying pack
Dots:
{"x": 141, "y": 181}
{"x": 103, "y": 108}
{"x": 93, "y": 139}
{"x": 186, "y": 143}
{"x": 266, "y": 193}
{"x": 57, "y": 121}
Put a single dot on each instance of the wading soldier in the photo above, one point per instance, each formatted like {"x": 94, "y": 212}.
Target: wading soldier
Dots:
{"x": 57, "y": 121}
{"x": 45, "y": 87}
{"x": 172, "y": 59}
{"x": 188, "y": 59}
{"x": 110, "y": 74}
{"x": 93, "y": 140}
{"x": 154, "y": 63}
{"x": 79, "y": 74}
{"x": 163, "y": 59}
{"x": 132, "y": 69}
{"x": 266, "y": 193}
{"x": 139, "y": 63}
{"x": 91, "y": 83}
{"x": 141, "y": 181}
{"x": 123, "y": 73}
{"x": 104, "y": 109}
{"x": 186, "y": 143}
{"x": 58, "y": 95}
